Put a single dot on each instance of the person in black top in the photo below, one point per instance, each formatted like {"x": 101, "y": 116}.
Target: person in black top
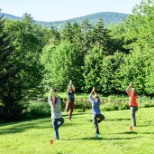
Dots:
{"x": 70, "y": 99}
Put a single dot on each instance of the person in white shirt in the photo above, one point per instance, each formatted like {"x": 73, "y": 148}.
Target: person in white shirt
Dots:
{"x": 56, "y": 116}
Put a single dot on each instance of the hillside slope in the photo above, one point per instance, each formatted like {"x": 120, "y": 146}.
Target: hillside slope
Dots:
{"x": 108, "y": 17}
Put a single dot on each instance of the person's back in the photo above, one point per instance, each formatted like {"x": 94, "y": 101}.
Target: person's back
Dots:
{"x": 95, "y": 105}
{"x": 56, "y": 109}
{"x": 97, "y": 117}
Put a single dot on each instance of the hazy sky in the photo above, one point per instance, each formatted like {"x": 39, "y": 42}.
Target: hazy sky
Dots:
{"x": 56, "y": 10}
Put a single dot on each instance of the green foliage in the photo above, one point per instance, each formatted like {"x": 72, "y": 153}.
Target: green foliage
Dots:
{"x": 63, "y": 65}
{"x": 20, "y": 69}
{"x": 89, "y": 54}
{"x": 38, "y": 109}
{"x": 92, "y": 67}
{"x": 139, "y": 25}
{"x": 135, "y": 69}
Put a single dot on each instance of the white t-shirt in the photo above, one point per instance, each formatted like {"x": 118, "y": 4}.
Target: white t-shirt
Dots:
{"x": 55, "y": 111}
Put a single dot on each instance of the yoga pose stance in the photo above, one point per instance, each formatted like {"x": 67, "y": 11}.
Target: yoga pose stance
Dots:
{"x": 56, "y": 116}
{"x": 132, "y": 102}
{"x": 70, "y": 99}
{"x": 97, "y": 117}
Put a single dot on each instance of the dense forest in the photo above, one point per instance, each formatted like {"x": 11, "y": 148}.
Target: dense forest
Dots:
{"x": 34, "y": 58}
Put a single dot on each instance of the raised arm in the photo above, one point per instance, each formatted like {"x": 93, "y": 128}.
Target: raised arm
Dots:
{"x": 128, "y": 88}
{"x": 92, "y": 91}
{"x": 52, "y": 92}
{"x": 71, "y": 85}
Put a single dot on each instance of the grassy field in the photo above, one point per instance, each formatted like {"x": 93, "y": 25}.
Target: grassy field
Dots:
{"x": 77, "y": 136}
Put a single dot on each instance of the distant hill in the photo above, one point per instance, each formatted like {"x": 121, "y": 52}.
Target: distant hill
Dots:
{"x": 108, "y": 18}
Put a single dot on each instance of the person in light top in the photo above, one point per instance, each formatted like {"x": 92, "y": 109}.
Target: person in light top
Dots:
{"x": 97, "y": 117}
{"x": 132, "y": 102}
{"x": 56, "y": 115}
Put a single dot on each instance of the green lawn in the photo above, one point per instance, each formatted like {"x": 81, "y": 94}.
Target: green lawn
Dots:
{"x": 77, "y": 136}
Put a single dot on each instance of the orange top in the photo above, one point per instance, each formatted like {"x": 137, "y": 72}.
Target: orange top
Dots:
{"x": 132, "y": 98}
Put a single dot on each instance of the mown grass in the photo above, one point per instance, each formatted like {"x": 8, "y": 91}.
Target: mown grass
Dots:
{"x": 77, "y": 136}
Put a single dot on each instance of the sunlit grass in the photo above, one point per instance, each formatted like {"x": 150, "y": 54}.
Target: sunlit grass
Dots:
{"x": 78, "y": 137}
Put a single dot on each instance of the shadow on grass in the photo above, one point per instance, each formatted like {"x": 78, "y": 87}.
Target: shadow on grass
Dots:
{"x": 118, "y": 119}
{"x": 16, "y": 127}
{"x": 133, "y": 132}
{"x": 75, "y": 114}
{"x": 20, "y": 126}
{"x": 102, "y": 138}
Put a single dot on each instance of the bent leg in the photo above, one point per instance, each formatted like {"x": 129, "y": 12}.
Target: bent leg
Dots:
{"x": 61, "y": 121}
{"x": 100, "y": 117}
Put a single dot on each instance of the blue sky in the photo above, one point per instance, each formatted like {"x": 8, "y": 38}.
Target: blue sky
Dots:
{"x": 58, "y": 10}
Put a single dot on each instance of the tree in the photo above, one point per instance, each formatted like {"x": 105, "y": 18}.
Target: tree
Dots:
{"x": 139, "y": 26}
{"x": 86, "y": 35}
{"x": 67, "y": 34}
{"x": 20, "y": 69}
{"x": 92, "y": 67}
{"x": 64, "y": 63}
{"x": 108, "y": 78}
{"x": 77, "y": 36}
{"x": 101, "y": 38}
{"x": 135, "y": 69}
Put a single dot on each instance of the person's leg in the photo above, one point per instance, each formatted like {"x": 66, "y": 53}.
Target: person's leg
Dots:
{"x": 100, "y": 117}
{"x": 94, "y": 118}
{"x": 55, "y": 127}
{"x": 71, "y": 110}
{"x": 133, "y": 109}
{"x": 67, "y": 106}
{"x": 60, "y": 122}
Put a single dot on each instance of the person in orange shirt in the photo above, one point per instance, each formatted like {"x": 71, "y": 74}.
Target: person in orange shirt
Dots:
{"x": 132, "y": 102}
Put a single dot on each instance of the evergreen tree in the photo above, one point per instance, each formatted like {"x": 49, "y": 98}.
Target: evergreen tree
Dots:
{"x": 101, "y": 38}
{"x": 67, "y": 34}
{"x": 20, "y": 69}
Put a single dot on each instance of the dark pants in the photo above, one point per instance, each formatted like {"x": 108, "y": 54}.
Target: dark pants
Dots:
{"x": 133, "y": 110}
{"x": 56, "y": 124}
{"x": 69, "y": 108}
{"x": 97, "y": 118}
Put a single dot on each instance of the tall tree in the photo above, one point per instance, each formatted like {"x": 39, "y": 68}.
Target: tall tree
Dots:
{"x": 92, "y": 67}
{"x": 101, "y": 38}
{"x": 67, "y": 34}
{"x": 86, "y": 35}
{"x": 21, "y": 72}
{"x": 64, "y": 64}
{"x": 139, "y": 26}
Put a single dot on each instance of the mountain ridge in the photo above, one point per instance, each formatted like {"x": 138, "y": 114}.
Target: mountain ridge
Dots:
{"x": 108, "y": 18}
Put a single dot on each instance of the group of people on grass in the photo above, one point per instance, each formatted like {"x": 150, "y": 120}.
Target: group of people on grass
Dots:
{"x": 97, "y": 117}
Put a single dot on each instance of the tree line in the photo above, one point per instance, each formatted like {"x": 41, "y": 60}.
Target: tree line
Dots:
{"x": 33, "y": 58}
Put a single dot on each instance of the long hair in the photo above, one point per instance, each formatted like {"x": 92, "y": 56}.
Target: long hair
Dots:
{"x": 54, "y": 101}
{"x": 134, "y": 92}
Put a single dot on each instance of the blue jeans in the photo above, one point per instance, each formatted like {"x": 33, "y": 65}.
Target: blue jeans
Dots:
{"x": 56, "y": 124}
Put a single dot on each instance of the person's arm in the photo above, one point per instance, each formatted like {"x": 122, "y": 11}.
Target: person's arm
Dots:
{"x": 52, "y": 92}
{"x": 49, "y": 96}
{"x": 128, "y": 88}
{"x": 71, "y": 85}
{"x": 92, "y": 91}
